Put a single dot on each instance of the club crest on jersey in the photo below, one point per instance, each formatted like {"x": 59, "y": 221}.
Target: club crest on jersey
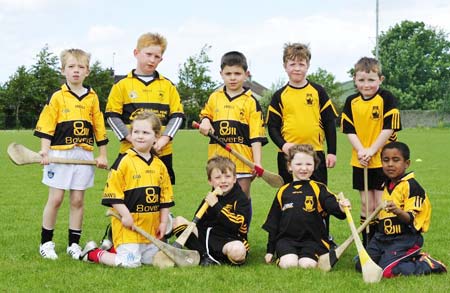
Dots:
{"x": 309, "y": 204}
{"x": 50, "y": 174}
{"x": 133, "y": 95}
{"x": 375, "y": 113}
{"x": 286, "y": 206}
{"x": 309, "y": 100}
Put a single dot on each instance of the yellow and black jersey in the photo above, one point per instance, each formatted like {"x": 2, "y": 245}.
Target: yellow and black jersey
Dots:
{"x": 131, "y": 95}
{"x": 367, "y": 118}
{"x": 144, "y": 187}
{"x": 302, "y": 115}
{"x": 68, "y": 120}
{"x": 238, "y": 122}
{"x": 229, "y": 216}
{"x": 297, "y": 213}
{"x": 409, "y": 196}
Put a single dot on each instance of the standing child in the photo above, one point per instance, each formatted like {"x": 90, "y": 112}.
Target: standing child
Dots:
{"x": 370, "y": 118}
{"x": 297, "y": 233}
{"x": 221, "y": 234}
{"x": 144, "y": 88}
{"x": 139, "y": 189}
{"x": 396, "y": 245}
{"x": 302, "y": 113}
{"x": 68, "y": 126}
{"x": 235, "y": 116}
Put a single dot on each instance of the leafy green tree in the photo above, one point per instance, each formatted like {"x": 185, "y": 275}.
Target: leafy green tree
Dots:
{"x": 415, "y": 61}
{"x": 16, "y": 95}
{"x": 195, "y": 84}
{"x": 101, "y": 80}
{"x": 267, "y": 95}
{"x": 329, "y": 83}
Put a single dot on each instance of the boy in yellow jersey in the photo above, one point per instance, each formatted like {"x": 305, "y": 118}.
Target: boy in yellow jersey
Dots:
{"x": 370, "y": 119}
{"x": 139, "y": 189}
{"x": 396, "y": 245}
{"x": 234, "y": 115}
{"x": 68, "y": 126}
{"x": 144, "y": 88}
{"x": 302, "y": 113}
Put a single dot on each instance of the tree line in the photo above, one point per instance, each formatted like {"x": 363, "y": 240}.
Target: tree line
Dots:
{"x": 415, "y": 61}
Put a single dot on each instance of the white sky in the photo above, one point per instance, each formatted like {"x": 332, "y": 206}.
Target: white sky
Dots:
{"x": 338, "y": 32}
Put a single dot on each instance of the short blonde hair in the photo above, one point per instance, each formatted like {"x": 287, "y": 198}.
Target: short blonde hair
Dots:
{"x": 293, "y": 51}
{"x": 80, "y": 55}
{"x": 151, "y": 39}
{"x": 368, "y": 65}
{"x": 222, "y": 163}
{"x": 306, "y": 149}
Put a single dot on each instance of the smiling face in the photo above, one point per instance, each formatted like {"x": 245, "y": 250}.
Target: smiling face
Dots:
{"x": 394, "y": 164}
{"x": 75, "y": 71}
{"x": 225, "y": 180}
{"x": 148, "y": 59}
{"x": 367, "y": 83}
{"x": 302, "y": 166}
{"x": 143, "y": 136}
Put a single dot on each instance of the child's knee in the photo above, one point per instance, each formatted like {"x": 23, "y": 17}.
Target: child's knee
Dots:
{"x": 178, "y": 221}
{"x": 235, "y": 251}
{"x": 288, "y": 261}
{"x": 307, "y": 263}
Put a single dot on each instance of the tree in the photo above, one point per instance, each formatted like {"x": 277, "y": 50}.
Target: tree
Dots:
{"x": 195, "y": 85}
{"x": 328, "y": 82}
{"x": 267, "y": 95}
{"x": 101, "y": 80}
{"x": 415, "y": 61}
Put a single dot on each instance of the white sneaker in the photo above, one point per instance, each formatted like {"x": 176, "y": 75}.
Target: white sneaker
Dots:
{"x": 106, "y": 244}
{"x": 47, "y": 250}
{"x": 74, "y": 251}
{"x": 84, "y": 256}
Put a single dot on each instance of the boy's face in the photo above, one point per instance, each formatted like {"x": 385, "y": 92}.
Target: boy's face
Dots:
{"x": 394, "y": 164}
{"x": 234, "y": 77}
{"x": 296, "y": 71}
{"x": 224, "y": 180}
{"x": 143, "y": 136}
{"x": 302, "y": 166}
{"x": 367, "y": 83}
{"x": 148, "y": 59}
{"x": 75, "y": 71}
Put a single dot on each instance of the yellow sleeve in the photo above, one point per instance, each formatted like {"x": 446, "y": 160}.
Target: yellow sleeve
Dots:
{"x": 115, "y": 100}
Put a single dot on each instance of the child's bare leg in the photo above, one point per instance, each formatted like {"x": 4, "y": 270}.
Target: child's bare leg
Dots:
{"x": 288, "y": 261}
{"x": 245, "y": 184}
{"x": 235, "y": 251}
{"x": 178, "y": 221}
{"x": 54, "y": 201}
{"x": 307, "y": 263}
{"x": 76, "y": 209}
{"x": 108, "y": 258}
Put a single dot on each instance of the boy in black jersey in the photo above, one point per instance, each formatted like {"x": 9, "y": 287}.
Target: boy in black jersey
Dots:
{"x": 221, "y": 234}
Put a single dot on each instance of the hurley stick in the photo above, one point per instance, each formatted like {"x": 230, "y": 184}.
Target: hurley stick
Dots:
{"x": 328, "y": 260}
{"x": 181, "y": 257}
{"x": 273, "y": 179}
{"x": 371, "y": 272}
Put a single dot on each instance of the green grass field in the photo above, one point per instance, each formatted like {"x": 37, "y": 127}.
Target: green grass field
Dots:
{"x": 23, "y": 197}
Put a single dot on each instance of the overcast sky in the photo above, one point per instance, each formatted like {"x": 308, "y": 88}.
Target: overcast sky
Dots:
{"x": 338, "y": 32}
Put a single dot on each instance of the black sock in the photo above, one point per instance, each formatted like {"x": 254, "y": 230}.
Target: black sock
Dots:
{"x": 46, "y": 235}
{"x": 365, "y": 235}
{"x": 74, "y": 236}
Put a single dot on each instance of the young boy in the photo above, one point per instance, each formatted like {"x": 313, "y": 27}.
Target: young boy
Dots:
{"x": 68, "y": 126}
{"x": 144, "y": 88}
{"x": 139, "y": 189}
{"x": 221, "y": 234}
{"x": 370, "y": 118}
{"x": 302, "y": 113}
{"x": 297, "y": 233}
{"x": 397, "y": 242}
{"x": 235, "y": 116}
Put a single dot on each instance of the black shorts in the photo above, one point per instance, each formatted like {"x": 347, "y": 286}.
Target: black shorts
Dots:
{"x": 320, "y": 174}
{"x": 215, "y": 242}
{"x": 167, "y": 160}
{"x": 375, "y": 178}
{"x": 310, "y": 249}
